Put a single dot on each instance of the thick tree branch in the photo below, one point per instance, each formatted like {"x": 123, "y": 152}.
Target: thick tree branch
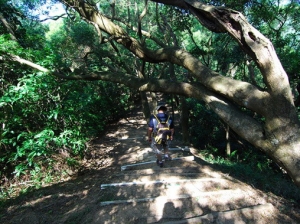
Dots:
{"x": 281, "y": 109}
{"x": 15, "y": 58}
{"x": 246, "y": 126}
{"x": 54, "y": 17}
{"x": 227, "y": 111}
{"x": 144, "y": 32}
{"x": 238, "y": 91}
{"x": 8, "y": 27}
{"x": 257, "y": 46}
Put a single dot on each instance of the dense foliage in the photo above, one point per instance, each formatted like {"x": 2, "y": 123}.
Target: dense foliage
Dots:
{"x": 42, "y": 115}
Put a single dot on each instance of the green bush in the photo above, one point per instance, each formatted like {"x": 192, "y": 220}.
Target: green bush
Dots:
{"x": 42, "y": 114}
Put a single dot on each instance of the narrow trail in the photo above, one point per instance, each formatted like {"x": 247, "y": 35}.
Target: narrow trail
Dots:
{"x": 119, "y": 182}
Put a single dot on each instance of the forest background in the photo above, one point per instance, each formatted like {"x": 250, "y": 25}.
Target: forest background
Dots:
{"x": 64, "y": 77}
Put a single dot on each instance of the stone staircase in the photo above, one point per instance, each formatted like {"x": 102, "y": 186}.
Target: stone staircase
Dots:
{"x": 185, "y": 190}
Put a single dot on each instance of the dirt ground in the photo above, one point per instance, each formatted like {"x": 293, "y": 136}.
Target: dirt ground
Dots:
{"x": 77, "y": 199}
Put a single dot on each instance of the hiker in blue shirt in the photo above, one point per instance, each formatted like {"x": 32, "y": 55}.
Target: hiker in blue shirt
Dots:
{"x": 160, "y": 130}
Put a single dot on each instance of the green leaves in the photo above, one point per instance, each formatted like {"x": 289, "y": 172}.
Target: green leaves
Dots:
{"x": 41, "y": 116}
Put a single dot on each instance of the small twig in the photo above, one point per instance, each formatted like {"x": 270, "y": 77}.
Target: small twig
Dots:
{"x": 23, "y": 183}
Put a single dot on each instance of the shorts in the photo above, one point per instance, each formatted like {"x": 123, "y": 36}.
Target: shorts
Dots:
{"x": 157, "y": 148}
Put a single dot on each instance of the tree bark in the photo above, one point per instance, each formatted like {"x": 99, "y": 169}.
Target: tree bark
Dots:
{"x": 145, "y": 105}
{"x": 184, "y": 120}
{"x": 8, "y": 27}
{"x": 228, "y": 148}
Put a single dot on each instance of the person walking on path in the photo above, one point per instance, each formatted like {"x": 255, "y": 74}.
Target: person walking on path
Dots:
{"x": 160, "y": 130}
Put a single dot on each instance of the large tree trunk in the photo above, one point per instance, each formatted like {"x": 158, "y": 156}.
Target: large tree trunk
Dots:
{"x": 145, "y": 105}
{"x": 278, "y": 136}
{"x": 184, "y": 120}
{"x": 228, "y": 148}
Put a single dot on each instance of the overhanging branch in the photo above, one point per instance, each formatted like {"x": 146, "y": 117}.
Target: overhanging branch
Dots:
{"x": 246, "y": 126}
{"x": 15, "y": 58}
{"x": 228, "y": 112}
{"x": 242, "y": 93}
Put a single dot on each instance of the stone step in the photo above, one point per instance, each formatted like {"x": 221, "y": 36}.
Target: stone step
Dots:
{"x": 183, "y": 167}
{"x": 153, "y": 176}
{"x": 180, "y": 168}
{"x": 175, "y": 207}
{"x": 145, "y": 154}
{"x": 145, "y": 165}
{"x": 168, "y": 187}
{"x": 171, "y": 197}
{"x": 186, "y": 170}
{"x": 166, "y": 181}
{"x": 165, "y": 170}
{"x": 253, "y": 214}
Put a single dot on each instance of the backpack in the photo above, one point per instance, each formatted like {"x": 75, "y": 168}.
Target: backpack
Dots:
{"x": 162, "y": 130}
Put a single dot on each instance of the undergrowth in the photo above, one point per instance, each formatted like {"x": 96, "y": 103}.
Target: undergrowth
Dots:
{"x": 262, "y": 174}
{"x": 53, "y": 170}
